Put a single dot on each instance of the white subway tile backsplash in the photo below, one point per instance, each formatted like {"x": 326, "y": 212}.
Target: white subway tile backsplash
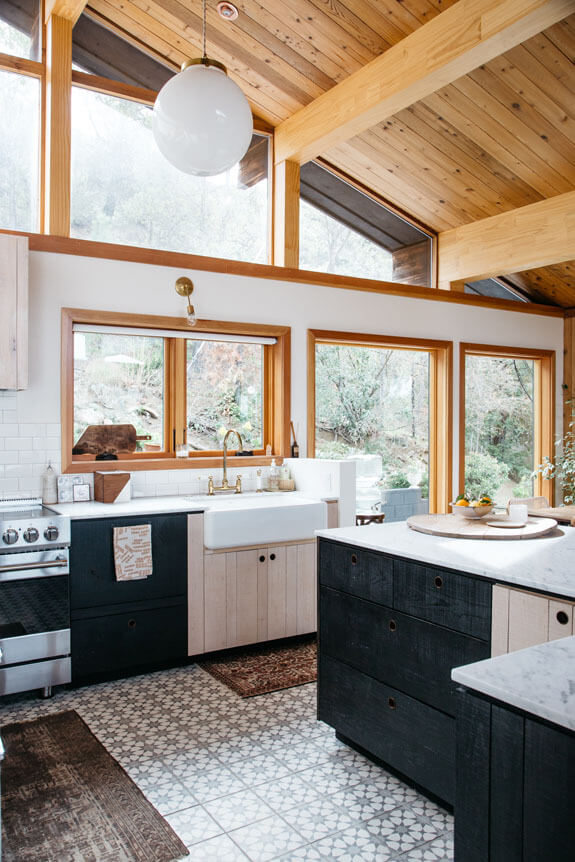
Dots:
{"x": 32, "y": 429}
{"x": 19, "y": 444}
{"x": 9, "y": 457}
{"x": 165, "y": 490}
{"x": 26, "y": 449}
{"x": 46, "y": 442}
{"x": 36, "y": 456}
{"x": 18, "y": 471}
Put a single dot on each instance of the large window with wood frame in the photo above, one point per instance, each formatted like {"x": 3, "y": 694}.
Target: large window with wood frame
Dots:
{"x": 138, "y": 389}
{"x": 384, "y": 403}
{"x": 506, "y": 420}
{"x": 20, "y": 96}
{"x": 346, "y": 231}
{"x": 124, "y": 191}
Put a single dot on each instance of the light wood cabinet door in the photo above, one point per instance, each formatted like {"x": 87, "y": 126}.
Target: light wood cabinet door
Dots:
{"x": 521, "y": 619}
{"x": 528, "y": 620}
{"x": 258, "y": 594}
{"x": 14, "y": 317}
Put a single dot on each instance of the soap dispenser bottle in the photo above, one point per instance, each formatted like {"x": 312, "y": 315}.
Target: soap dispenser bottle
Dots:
{"x": 274, "y": 476}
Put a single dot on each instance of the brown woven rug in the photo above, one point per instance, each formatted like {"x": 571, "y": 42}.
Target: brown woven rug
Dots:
{"x": 65, "y": 799}
{"x": 261, "y": 669}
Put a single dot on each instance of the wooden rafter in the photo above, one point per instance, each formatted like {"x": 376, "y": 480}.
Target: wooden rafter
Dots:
{"x": 536, "y": 235}
{"x": 68, "y": 9}
{"x": 449, "y": 46}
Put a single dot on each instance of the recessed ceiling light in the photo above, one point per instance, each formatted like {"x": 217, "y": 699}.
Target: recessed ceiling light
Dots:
{"x": 227, "y": 11}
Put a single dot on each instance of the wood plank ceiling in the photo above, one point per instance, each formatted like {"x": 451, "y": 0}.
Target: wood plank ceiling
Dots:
{"x": 500, "y": 137}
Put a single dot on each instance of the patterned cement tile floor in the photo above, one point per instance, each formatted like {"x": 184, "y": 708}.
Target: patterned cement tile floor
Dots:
{"x": 257, "y": 778}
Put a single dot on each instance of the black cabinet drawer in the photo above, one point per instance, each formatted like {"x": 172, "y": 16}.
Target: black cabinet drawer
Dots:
{"x": 411, "y": 737}
{"x": 409, "y": 654}
{"x": 117, "y": 642}
{"x": 356, "y": 571}
{"x": 447, "y": 598}
{"x": 92, "y": 573}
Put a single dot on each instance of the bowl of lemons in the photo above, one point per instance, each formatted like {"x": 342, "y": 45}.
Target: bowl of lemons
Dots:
{"x": 472, "y": 507}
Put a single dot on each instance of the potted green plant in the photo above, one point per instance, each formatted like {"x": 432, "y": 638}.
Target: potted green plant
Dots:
{"x": 562, "y": 466}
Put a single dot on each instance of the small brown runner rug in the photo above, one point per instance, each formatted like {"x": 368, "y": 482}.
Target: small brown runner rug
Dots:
{"x": 261, "y": 669}
{"x": 65, "y": 799}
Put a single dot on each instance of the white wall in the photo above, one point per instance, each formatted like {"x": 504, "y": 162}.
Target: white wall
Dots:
{"x": 29, "y": 433}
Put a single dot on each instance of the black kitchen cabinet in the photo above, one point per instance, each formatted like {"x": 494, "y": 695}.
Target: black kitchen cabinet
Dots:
{"x": 119, "y": 626}
{"x": 390, "y": 631}
{"x": 515, "y": 785}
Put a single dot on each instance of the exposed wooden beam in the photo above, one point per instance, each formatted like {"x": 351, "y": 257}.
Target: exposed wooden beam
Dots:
{"x": 536, "y": 235}
{"x": 68, "y": 9}
{"x": 58, "y": 125}
{"x": 465, "y": 36}
{"x": 286, "y": 214}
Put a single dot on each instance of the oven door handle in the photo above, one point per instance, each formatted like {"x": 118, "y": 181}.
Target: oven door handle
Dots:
{"x": 58, "y": 563}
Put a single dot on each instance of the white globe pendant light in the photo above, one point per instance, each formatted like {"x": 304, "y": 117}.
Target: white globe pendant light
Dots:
{"x": 202, "y": 121}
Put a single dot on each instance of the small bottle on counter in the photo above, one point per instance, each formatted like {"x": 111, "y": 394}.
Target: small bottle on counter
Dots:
{"x": 274, "y": 482}
{"x": 259, "y": 480}
{"x": 49, "y": 485}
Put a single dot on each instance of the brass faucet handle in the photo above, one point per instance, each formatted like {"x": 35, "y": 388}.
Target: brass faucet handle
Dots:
{"x": 239, "y": 483}
{"x": 211, "y": 485}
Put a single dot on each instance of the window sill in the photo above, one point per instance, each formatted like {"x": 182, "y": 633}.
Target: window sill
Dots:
{"x": 132, "y": 464}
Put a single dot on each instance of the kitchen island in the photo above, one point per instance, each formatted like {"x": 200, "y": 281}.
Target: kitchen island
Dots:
{"x": 399, "y": 609}
{"x": 515, "y": 760}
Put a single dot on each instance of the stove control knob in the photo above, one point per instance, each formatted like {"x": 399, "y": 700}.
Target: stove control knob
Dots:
{"x": 10, "y": 536}
{"x": 31, "y": 534}
{"x": 51, "y": 533}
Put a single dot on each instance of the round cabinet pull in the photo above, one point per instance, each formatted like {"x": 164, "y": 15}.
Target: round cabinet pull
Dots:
{"x": 272, "y": 556}
{"x": 562, "y": 618}
{"x": 438, "y": 582}
{"x": 132, "y": 624}
{"x": 262, "y": 559}
{"x": 354, "y": 559}
{"x": 391, "y": 702}
{"x": 392, "y": 625}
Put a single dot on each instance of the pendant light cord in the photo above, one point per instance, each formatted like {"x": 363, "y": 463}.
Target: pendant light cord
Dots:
{"x": 204, "y": 32}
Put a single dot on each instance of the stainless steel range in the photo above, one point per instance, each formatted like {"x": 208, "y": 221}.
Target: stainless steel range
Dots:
{"x": 34, "y": 597}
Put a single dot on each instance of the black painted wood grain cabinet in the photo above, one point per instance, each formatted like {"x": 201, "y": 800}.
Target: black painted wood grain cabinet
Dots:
{"x": 515, "y": 785}
{"x": 120, "y": 627}
{"x": 390, "y": 631}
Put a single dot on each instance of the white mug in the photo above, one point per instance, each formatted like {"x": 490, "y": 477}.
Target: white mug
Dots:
{"x": 518, "y": 512}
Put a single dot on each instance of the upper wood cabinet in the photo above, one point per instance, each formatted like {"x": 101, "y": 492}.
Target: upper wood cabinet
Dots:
{"x": 14, "y": 313}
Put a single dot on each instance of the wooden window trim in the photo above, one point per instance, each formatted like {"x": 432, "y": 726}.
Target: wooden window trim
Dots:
{"x": 544, "y": 404}
{"x": 21, "y": 66}
{"x": 276, "y": 395}
{"x": 440, "y": 400}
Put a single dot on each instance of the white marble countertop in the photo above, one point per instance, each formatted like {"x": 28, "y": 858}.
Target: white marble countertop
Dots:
{"x": 136, "y": 506}
{"x": 182, "y": 503}
{"x": 539, "y": 680}
{"x": 545, "y": 564}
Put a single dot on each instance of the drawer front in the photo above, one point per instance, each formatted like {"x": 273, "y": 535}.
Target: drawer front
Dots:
{"x": 92, "y": 572}
{"x": 411, "y": 737}
{"x": 410, "y": 654}
{"x": 446, "y": 598}
{"x": 118, "y": 642}
{"x": 356, "y": 571}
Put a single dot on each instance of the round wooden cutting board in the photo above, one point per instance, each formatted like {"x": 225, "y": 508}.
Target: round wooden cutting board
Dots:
{"x": 457, "y": 527}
